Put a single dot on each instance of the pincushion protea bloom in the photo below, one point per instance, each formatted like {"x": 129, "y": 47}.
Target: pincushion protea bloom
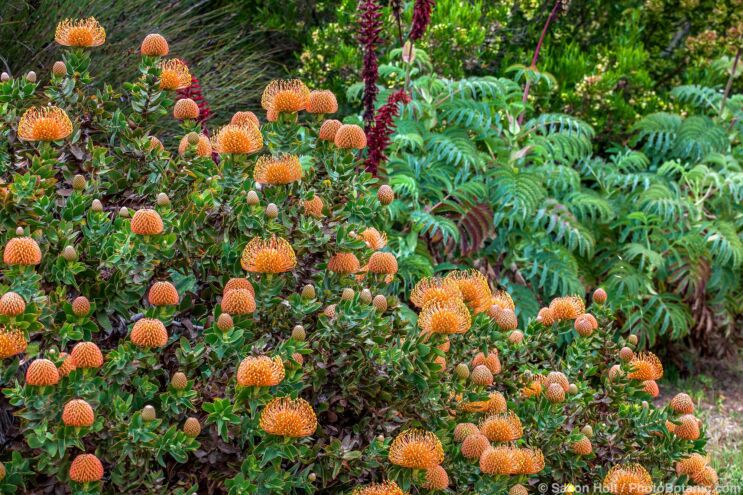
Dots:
{"x": 434, "y": 289}
{"x": 86, "y": 468}
{"x": 82, "y": 33}
{"x": 163, "y": 294}
{"x": 463, "y": 430}
{"x": 277, "y": 170}
{"x": 445, "y": 317}
{"x": 496, "y": 404}
{"x": 490, "y": 361}
{"x": 313, "y": 207}
{"x": 344, "y": 263}
{"x": 185, "y": 108}
{"x": 350, "y": 136}
{"x": 78, "y": 413}
{"x": 149, "y": 333}
{"x": 81, "y": 306}
{"x": 274, "y": 255}
{"x": 146, "y": 222}
{"x": 528, "y": 461}
{"x": 22, "y": 251}
{"x": 559, "y": 378}
{"x": 329, "y": 129}
{"x": 12, "y": 304}
{"x": 567, "y": 308}
{"x": 498, "y": 461}
{"x": 44, "y": 124}
{"x": 688, "y": 427}
{"x": 416, "y": 449}
{"x": 67, "y": 366}
{"x": 505, "y": 427}
{"x": 238, "y": 302}
{"x": 282, "y": 96}
{"x": 238, "y": 283}
{"x": 555, "y": 393}
{"x": 692, "y": 465}
{"x": 582, "y": 446}
{"x": 42, "y": 373}
{"x": 237, "y": 139}
{"x": 501, "y": 300}
{"x": 382, "y": 263}
{"x": 245, "y": 118}
{"x": 288, "y": 417}
{"x": 474, "y": 445}
{"x": 192, "y": 427}
{"x": 203, "y": 146}
{"x": 385, "y": 488}
{"x": 545, "y": 317}
{"x": 646, "y": 366}
{"x": 154, "y": 45}
{"x": 682, "y": 404}
{"x": 474, "y": 288}
{"x": 374, "y": 239}
{"x": 436, "y": 479}
{"x": 322, "y": 102}
{"x": 629, "y": 479}
{"x": 174, "y": 74}
{"x": 260, "y": 371}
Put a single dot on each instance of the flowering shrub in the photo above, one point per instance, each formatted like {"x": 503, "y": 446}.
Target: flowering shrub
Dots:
{"x": 220, "y": 318}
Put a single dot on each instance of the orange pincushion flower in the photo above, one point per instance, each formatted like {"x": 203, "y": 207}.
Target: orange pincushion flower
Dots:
{"x": 688, "y": 429}
{"x": 78, "y": 413}
{"x": 416, "y": 449}
{"x": 288, "y": 417}
{"x": 344, "y": 263}
{"x": 504, "y": 427}
{"x": 42, "y": 373}
{"x": 203, "y": 148}
{"x": 329, "y": 129}
{"x": 545, "y": 317}
{"x": 87, "y": 355}
{"x": 83, "y": 33}
{"x": 436, "y": 479}
{"x": 567, "y": 308}
{"x": 582, "y": 446}
{"x": 432, "y": 290}
{"x": 12, "y": 304}
{"x": 350, "y": 136}
{"x": 238, "y": 302}
{"x": 651, "y": 387}
{"x": 445, "y": 317}
{"x": 382, "y": 263}
{"x": 502, "y": 300}
{"x": 186, "y": 108}
{"x": 149, "y": 332}
{"x": 22, "y": 251}
{"x": 67, "y": 366}
{"x": 630, "y": 479}
{"x": 147, "y": 222}
{"x": 555, "y": 393}
{"x": 260, "y": 371}
{"x": 498, "y": 461}
{"x": 225, "y": 322}
{"x": 474, "y": 445}
{"x": 505, "y": 319}
{"x": 238, "y": 283}
{"x": 707, "y": 477}
{"x": 558, "y": 378}
{"x": 245, "y": 118}
{"x": 156, "y": 144}
{"x": 463, "y": 430}
{"x": 496, "y": 404}
{"x": 274, "y": 255}
{"x": 322, "y": 101}
{"x": 474, "y": 288}
{"x": 192, "y": 427}
{"x": 692, "y": 466}
{"x": 386, "y": 488}
{"x": 163, "y": 294}
{"x": 646, "y": 366}
{"x": 282, "y": 96}
{"x": 44, "y": 124}
{"x": 374, "y": 239}
{"x": 154, "y": 45}
{"x": 482, "y": 376}
{"x": 277, "y": 170}
{"x": 528, "y": 461}
{"x": 174, "y": 74}
{"x": 490, "y": 361}
{"x": 313, "y": 207}
{"x": 237, "y": 139}
{"x": 682, "y": 404}
{"x": 533, "y": 389}
{"x": 86, "y": 468}
{"x": 80, "y": 306}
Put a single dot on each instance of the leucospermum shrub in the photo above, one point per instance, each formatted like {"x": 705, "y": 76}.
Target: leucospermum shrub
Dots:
{"x": 210, "y": 312}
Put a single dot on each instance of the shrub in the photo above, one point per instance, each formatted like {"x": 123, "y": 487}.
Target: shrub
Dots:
{"x": 315, "y": 379}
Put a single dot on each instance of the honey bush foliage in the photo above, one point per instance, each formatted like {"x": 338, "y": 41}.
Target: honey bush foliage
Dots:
{"x": 320, "y": 379}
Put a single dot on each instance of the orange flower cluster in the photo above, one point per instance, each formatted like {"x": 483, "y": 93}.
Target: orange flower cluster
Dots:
{"x": 285, "y": 96}
{"x": 416, "y": 449}
{"x": 277, "y": 170}
{"x": 44, "y": 124}
{"x": 630, "y": 479}
{"x": 260, "y": 371}
{"x": 274, "y": 255}
{"x": 288, "y": 417}
{"x": 12, "y": 342}
{"x": 82, "y": 33}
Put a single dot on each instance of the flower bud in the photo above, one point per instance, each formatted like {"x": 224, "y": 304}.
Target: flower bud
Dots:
{"x": 179, "y": 380}
{"x": 632, "y": 339}
{"x": 149, "y": 413}
{"x": 97, "y": 206}
{"x": 380, "y": 438}
{"x": 31, "y": 76}
{"x": 626, "y": 354}
{"x": 645, "y": 404}
{"x": 599, "y": 296}
{"x": 462, "y": 371}
{"x": 516, "y": 337}
{"x": 163, "y": 199}
{"x": 19, "y": 231}
{"x": 225, "y": 323}
{"x": 79, "y": 182}
{"x": 298, "y": 333}
{"x": 312, "y": 477}
{"x": 253, "y": 198}
{"x": 347, "y": 294}
{"x": 587, "y": 431}
{"x": 408, "y": 52}
{"x": 365, "y": 296}
{"x": 308, "y": 292}
{"x": 272, "y": 211}
{"x": 69, "y": 253}
{"x": 4, "y": 77}
{"x": 380, "y": 302}
{"x": 124, "y": 212}
{"x": 192, "y": 138}
{"x": 385, "y": 195}
{"x": 59, "y": 69}
{"x": 573, "y": 389}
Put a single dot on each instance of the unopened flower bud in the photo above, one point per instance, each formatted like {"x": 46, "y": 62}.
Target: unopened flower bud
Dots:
{"x": 4, "y": 77}
{"x": 69, "y": 253}
{"x": 124, "y": 212}
{"x": 179, "y": 381}
{"x": 380, "y": 302}
{"x": 192, "y": 138}
{"x": 347, "y": 294}
{"x": 312, "y": 477}
{"x": 79, "y": 182}
{"x": 308, "y": 292}
{"x": 272, "y": 211}
{"x": 97, "y": 206}
{"x": 632, "y": 339}
{"x": 149, "y": 413}
{"x": 19, "y": 231}
{"x": 573, "y": 389}
{"x": 599, "y": 296}
{"x": 365, "y": 296}
{"x": 59, "y": 69}
{"x": 253, "y": 198}
{"x": 587, "y": 431}
{"x": 31, "y": 76}
{"x": 298, "y": 333}
{"x": 462, "y": 371}
{"x": 163, "y": 199}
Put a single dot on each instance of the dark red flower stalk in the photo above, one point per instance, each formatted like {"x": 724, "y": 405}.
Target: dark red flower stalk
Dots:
{"x": 194, "y": 92}
{"x": 370, "y": 22}
{"x": 421, "y": 18}
{"x": 396, "y": 7}
{"x": 378, "y": 137}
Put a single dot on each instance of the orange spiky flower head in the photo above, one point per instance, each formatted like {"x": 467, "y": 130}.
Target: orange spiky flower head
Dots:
{"x": 344, "y": 263}
{"x": 12, "y": 304}
{"x": 505, "y": 427}
{"x": 463, "y": 430}
{"x": 434, "y": 289}
{"x": 567, "y": 308}
{"x": 235, "y": 139}
{"x": 498, "y": 461}
{"x": 416, "y": 449}
{"x": 260, "y": 371}
{"x": 149, "y": 333}
{"x": 174, "y": 74}
{"x": 163, "y": 294}
{"x": 81, "y": 306}
{"x": 185, "y": 108}
{"x": 288, "y": 417}
{"x": 238, "y": 283}
{"x": 282, "y": 96}
{"x": 12, "y": 342}
{"x": 147, "y": 222}
{"x": 44, "y": 124}
{"x": 629, "y": 479}
{"x": 682, "y": 404}
{"x": 277, "y": 170}
{"x": 313, "y": 207}
{"x": 42, "y": 373}
{"x": 328, "y": 130}
{"x": 86, "y": 468}
{"x": 374, "y": 239}
{"x": 474, "y": 288}
{"x": 350, "y": 136}
{"x": 274, "y": 255}
{"x": 154, "y": 45}
{"x": 203, "y": 146}
{"x": 81, "y": 33}
{"x": 238, "y": 302}
{"x": 386, "y": 488}
{"x": 646, "y": 366}
{"x": 78, "y": 413}
{"x": 474, "y": 445}
{"x": 436, "y": 479}
{"x": 382, "y": 263}
{"x": 445, "y": 317}
{"x": 245, "y": 118}
{"x": 322, "y": 102}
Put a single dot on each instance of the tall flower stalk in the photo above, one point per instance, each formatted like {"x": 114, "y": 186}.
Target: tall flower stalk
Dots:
{"x": 421, "y": 18}
{"x": 370, "y": 22}
{"x": 379, "y": 135}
